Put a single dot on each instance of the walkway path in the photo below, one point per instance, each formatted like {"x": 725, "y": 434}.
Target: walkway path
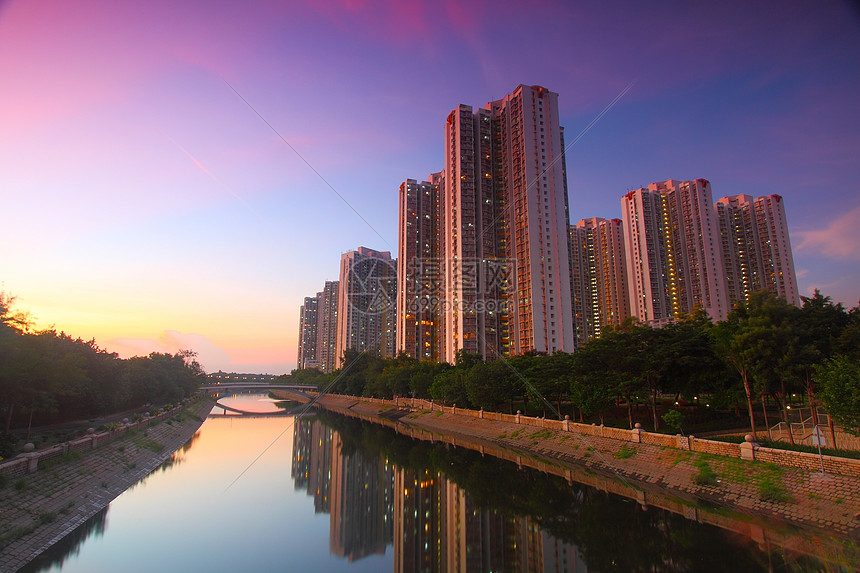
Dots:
{"x": 40, "y": 508}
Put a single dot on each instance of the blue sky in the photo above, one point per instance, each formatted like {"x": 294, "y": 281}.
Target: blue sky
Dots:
{"x": 147, "y": 206}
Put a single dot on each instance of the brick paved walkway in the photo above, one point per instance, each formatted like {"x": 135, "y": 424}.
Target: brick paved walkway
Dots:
{"x": 40, "y": 508}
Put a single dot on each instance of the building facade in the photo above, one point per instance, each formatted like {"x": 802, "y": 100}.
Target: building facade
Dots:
{"x": 600, "y": 289}
{"x": 504, "y": 229}
{"x": 366, "y": 310}
{"x": 327, "y": 327}
{"x": 419, "y": 269}
{"x": 308, "y": 330}
{"x": 756, "y": 248}
{"x": 674, "y": 254}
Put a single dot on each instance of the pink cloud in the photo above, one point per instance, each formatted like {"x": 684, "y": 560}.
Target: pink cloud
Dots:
{"x": 839, "y": 240}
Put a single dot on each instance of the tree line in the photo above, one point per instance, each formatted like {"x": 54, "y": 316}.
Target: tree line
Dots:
{"x": 49, "y": 377}
{"x": 765, "y": 351}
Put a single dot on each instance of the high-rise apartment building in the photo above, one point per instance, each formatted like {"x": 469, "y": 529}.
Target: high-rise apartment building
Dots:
{"x": 367, "y": 294}
{"x": 504, "y": 229}
{"x": 651, "y": 272}
{"x": 308, "y": 326}
{"x": 777, "y": 261}
{"x": 600, "y": 289}
{"x": 672, "y": 241}
{"x": 756, "y": 247}
{"x": 419, "y": 269}
{"x": 318, "y": 330}
{"x": 327, "y": 327}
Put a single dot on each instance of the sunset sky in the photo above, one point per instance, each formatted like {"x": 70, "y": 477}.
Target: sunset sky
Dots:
{"x": 146, "y": 205}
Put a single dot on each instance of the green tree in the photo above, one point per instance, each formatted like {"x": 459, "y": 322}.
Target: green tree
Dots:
{"x": 451, "y": 387}
{"x": 491, "y": 383}
{"x": 730, "y": 339}
{"x": 594, "y": 383}
{"x": 839, "y": 382}
{"x": 12, "y": 326}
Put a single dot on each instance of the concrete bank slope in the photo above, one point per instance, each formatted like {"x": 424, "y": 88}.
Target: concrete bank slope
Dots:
{"x": 819, "y": 505}
{"x": 39, "y": 509}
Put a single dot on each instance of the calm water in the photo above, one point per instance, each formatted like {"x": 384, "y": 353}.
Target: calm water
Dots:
{"x": 328, "y": 493}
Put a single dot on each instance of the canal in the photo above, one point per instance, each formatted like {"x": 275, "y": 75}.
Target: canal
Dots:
{"x": 329, "y": 493}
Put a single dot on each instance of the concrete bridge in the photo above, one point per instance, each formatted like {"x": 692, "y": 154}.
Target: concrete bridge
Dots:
{"x": 254, "y": 386}
{"x": 249, "y": 387}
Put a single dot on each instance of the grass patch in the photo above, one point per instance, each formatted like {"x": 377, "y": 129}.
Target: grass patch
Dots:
{"x": 770, "y": 488}
{"x": 541, "y": 435}
{"x": 439, "y": 413}
{"x": 516, "y": 434}
{"x": 20, "y": 485}
{"x": 706, "y": 475}
{"x": 44, "y": 517}
{"x": 624, "y": 453}
{"x": 7, "y": 538}
{"x": 4, "y": 481}
{"x": 148, "y": 443}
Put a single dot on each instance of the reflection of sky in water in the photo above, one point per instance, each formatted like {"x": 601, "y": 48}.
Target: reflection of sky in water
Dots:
{"x": 237, "y": 503}
{"x": 190, "y": 517}
{"x": 251, "y": 403}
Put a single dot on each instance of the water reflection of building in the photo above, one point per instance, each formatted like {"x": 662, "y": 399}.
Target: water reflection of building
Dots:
{"x": 439, "y": 528}
{"x": 434, "y": 524}
{"x": 357, "y": 491}
{"x": 302, "y": 448}
{"x": 312, "y": 448}
{"x": 361, "y": 503}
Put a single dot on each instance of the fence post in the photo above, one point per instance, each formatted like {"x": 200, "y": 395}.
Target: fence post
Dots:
{"x": 518, "y": 416}
{"x": 636, "y": 433}
{"x": 566, "y": 423}
{"x": 32, "y": 461}
{"x": 747, "y": 448}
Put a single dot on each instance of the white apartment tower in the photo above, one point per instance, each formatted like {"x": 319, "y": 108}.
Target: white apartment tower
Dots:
{"x": 367, "y": 294}
{"x": 308, "y": 323}
{"x": 777, "y": 261}
{"x": 675, "y": 261}
{"x": 756, "y": 247}
{"x": 504, "y": 229}
{"x": 327, "y": 327}
{"x": 600, "y": 289}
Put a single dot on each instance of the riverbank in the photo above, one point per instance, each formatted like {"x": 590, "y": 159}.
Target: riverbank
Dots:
{"x": 40, "y": 508}
{"x": 687, "y": 482}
